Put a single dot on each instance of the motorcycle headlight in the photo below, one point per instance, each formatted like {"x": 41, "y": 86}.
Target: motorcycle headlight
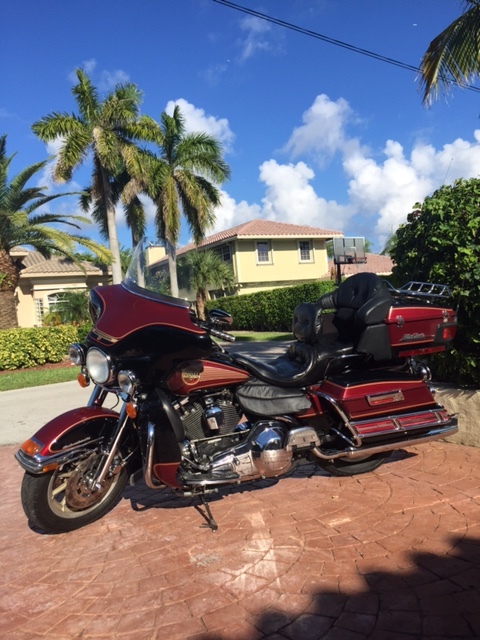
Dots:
{"x": 77, "y": 353}
{"x": 99, "y": 366}
{"x": 127, "y": 381}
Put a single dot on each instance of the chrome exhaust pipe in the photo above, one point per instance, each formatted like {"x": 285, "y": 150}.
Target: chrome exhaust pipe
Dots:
{"x": 354, "y": 454}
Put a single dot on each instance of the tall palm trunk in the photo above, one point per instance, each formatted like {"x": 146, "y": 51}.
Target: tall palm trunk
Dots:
{"x": 201, "y": 296}
{"x": 172, "y": 267}
{"x": 8, "y": 283}
{"x": 112, "y": 230}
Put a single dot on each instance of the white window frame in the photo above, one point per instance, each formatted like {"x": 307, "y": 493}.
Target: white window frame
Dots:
{"x": 301, "y": 249}
{"x": 268, "y": 252}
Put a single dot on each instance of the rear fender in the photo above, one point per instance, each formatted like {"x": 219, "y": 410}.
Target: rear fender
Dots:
{"x": 65, "y": 437}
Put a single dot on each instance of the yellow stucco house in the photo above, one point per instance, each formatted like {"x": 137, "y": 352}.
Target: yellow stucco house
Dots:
{"x": 42, "y": 280}
{"x": 263, "y": 255}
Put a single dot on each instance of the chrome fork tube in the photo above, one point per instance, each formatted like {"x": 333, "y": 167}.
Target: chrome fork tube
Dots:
{"x": 97, "y": 397}
{"x": 112, "y": 448}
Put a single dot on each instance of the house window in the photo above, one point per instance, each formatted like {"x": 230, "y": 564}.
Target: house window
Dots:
{"x": 305, "y": 251}
{"x": 225, "y": 253}
{"x": 39, "y": 311}
{"x": 263, "y": 252}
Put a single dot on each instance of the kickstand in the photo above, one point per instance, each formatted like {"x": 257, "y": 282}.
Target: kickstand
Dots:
{"x": 207, "y": 514}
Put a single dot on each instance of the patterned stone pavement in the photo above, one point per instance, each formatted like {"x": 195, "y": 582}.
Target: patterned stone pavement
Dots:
{"x": 393, "y": 554}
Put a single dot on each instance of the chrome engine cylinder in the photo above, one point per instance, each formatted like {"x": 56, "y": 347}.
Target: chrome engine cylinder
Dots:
{"x": 269, "y": 454}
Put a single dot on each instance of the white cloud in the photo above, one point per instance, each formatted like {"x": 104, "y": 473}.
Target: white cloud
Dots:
{"x": 255, "y": 39}
{"x": 108, "y": 79}
{"x": 290, "y": 197}
{"x": 196, "y": 120}
{"x": 230, "y": 213}
{"x": 380, "y": 190}
{"x": 323, "y": 130}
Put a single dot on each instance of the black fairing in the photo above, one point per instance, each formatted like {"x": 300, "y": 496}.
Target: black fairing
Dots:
{"x": 156, "y": 350}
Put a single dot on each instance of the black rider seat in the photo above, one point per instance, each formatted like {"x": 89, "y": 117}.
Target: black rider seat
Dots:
{"x": 360, "y": 305}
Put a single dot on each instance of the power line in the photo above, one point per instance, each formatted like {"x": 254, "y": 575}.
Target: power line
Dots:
{"x": 338, "y": 43}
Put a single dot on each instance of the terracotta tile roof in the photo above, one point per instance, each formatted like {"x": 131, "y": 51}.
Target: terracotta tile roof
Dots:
{"x": 376, "y": 263}
{"x": 36, "y": 264}
{"x": 258, "y": 228}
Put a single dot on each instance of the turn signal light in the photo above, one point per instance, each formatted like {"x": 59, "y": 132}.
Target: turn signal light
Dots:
{"x": 31, "y": 447}
{"x": 82, "y": 380}
{"x": 131, "y": 410}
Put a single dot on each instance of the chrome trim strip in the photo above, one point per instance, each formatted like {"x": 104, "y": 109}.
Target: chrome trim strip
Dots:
{"x": 36, "y": 463}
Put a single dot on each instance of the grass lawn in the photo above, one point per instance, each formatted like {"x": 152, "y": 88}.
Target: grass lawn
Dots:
{"x": 50, "y": 374}
{"x": 21, "y": 378}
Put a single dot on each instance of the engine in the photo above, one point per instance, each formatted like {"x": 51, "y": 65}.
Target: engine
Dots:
{"x": 209, "y": 416}
{"x": 266, "y": 450}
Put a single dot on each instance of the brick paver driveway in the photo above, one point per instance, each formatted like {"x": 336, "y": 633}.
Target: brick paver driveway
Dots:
{"x": 393, "y": 554}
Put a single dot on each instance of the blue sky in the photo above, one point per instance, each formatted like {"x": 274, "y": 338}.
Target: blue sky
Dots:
{"x": 314, "y": 134}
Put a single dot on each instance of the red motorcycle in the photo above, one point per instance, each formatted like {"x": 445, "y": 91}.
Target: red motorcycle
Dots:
{"x": 194, "y": 417}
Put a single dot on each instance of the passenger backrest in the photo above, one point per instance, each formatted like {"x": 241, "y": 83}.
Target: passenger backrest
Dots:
{"x": 361, "y": 300}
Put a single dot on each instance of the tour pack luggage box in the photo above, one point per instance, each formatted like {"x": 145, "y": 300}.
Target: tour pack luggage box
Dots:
{"x": 418, "y": 330}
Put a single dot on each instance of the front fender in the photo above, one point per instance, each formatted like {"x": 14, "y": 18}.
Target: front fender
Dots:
{"x": 62, "y": 437}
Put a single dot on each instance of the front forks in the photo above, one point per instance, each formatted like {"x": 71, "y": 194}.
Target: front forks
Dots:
{"x": 110, "y": 451}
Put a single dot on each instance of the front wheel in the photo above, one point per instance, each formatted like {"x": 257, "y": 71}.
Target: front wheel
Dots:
{"x": 347, "y": 467}
{"x": 63, "y": 500}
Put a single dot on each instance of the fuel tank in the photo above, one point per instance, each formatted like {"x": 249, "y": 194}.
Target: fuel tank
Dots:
{"x": 194, "y": 375}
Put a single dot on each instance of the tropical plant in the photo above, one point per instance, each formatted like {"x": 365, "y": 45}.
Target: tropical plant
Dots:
{"x": 440, "y": 243}
{"x": 22, "y": 222}
{"x": 453, "y": 57}
{"x": 108, "y": 130}
{"x": 199, "y": 270}
{"x": 183, "y": 179}
{"x": 71, "y": 308}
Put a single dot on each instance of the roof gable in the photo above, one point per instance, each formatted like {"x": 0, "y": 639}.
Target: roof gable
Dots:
{"x": 34, "y": 264}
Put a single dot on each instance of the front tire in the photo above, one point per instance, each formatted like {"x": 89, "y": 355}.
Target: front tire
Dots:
{"x": 346, "y": 467}
{"x": 61, "y": 500}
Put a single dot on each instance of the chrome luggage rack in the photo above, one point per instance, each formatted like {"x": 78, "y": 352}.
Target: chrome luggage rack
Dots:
{"x": 425, "y": 291}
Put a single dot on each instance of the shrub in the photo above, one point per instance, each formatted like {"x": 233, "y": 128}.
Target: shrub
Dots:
{"x": 30, "y": 347}
{"x": 269, "y": 310}
{"x": 440, "y": 242}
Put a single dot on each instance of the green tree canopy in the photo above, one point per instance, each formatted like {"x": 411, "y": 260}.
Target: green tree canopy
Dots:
{"x": 440, "y": 243}
{"x": 23, "y": 222}
{"x": 107, "y": 131}
{"x": 201, "y": 270}
{"x": 182, "y": 180}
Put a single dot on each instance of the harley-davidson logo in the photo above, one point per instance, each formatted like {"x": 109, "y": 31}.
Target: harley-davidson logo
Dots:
{"x": 409, "y": 337}
{"x": 191, "y": 375}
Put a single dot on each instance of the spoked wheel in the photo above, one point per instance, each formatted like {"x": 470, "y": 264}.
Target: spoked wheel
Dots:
{"x": 349, "y": 467}
{"x": 63, "y": 500}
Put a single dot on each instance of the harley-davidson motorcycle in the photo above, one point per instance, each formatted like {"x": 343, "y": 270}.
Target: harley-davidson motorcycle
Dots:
{"x": 194, "y": 417}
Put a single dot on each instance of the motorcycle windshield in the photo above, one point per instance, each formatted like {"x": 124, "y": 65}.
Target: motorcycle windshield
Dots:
{"x": 147, "y": 274}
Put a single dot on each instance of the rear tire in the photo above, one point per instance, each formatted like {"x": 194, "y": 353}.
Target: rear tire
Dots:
{"x": 346, "y": 467}
{"x": 61, "y": 501}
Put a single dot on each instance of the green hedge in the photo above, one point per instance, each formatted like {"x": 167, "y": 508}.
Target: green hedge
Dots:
{"x": 30, "y": 347}
{"x": 269, "y": 310}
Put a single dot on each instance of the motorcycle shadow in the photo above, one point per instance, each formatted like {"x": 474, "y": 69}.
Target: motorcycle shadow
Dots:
{"x": 143, "y": 498}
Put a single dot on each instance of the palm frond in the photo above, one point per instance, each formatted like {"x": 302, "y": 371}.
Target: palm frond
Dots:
{"x": 453, "y": 57}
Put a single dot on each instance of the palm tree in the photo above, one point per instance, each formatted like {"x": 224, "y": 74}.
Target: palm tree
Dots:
{"x": 183, "y": 179}
{"x": 22, "y": 224}
{"x": 202, "y": 269}
{"x": 453, "y": 57}
{"x": 71, "y": 307}
{"x": 108, "y": 130}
